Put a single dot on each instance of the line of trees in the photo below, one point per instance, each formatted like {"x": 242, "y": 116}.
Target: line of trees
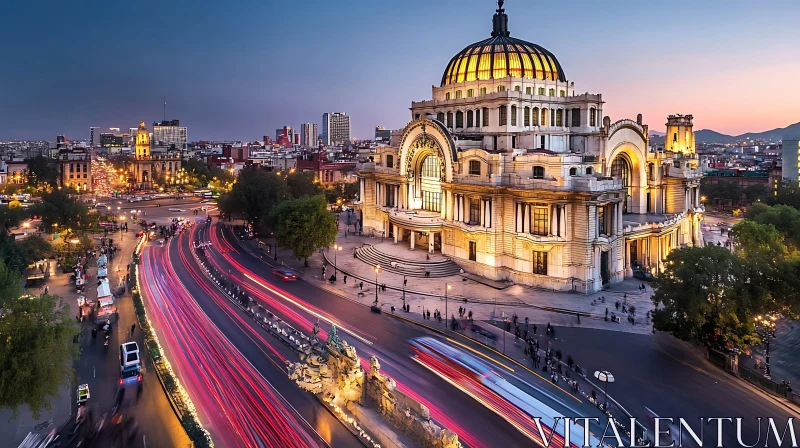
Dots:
{"x": 293, "y": 207}
{"x": 711, "y": 294}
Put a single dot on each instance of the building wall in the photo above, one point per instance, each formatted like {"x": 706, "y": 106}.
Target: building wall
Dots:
{"x": 789, "y": 157}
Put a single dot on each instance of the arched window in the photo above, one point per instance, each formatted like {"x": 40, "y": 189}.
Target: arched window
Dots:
{"x": 517, "y": 88}
{"x": 621, "y": 169}
{"x": 470, "y": 122}
{"x": 459, "y": 119}
{"x": 503, "y": 115}
{"x": 447, "y": 96}
{"x": 458, "y": 94}
{"x": 485, "y": 116}
{"x": 513, "y": 115}
{"x": 440, "y": 117}
{"x": 475, "y": 167}
{"x": 389, "y": 161}
{"x": 501, "y": 88}
{"x": 559, "y": 117}
{"x": 651, "y": 171}
{"x": 431, "y": 167}
{"x": 528, "y": 90}
{"x": 535, "y": 116}
{"x": 562, "y": 93}
{"x": 544, "y": 119}
{"x": 527, "y": 118}
{"x": 551, "y": 92}
{"x": 538, "y": 172}
{"x": 449, "y": 119}
{"x": 470, "y": 93}
{"x": 589, "y": 171}
{"x": 573, "y": 171}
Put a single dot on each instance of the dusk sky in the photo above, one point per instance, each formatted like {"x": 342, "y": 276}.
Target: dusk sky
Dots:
{"x": 241, "y": 69}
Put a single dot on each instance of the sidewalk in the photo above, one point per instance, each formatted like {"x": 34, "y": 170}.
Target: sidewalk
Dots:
{"x": 486, "y": 302}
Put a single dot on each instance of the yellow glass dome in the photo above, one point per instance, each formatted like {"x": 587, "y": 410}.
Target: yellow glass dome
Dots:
{"x": 501, "y": 56}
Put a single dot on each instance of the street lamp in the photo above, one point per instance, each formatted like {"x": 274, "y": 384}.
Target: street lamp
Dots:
{"x": 765, "y": 327}
{"x": 606, "y": 377}
{"x": 377, "y": 269}
{"x": 404, "y": 293}
{"x": 446, "y": 318}
{"x": 336, "y": 248}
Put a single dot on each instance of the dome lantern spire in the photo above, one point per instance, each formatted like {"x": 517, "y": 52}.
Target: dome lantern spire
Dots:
{"x": 500, "y": 21}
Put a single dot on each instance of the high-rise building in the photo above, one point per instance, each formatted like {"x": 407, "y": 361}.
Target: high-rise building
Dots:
{"x": 168, "y": 133}
{"x": 790, "y": 157}
{"x": 382, "y": 135}
{"x": 309, "y": 133}
{"x": 335, "y": 128}
{"x": 94, "y": 137}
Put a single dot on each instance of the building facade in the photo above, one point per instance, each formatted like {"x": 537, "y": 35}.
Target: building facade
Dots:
{"x": 168, "y": 133}
{"x": 75, "y": 169}
{"x": 335, "y": 128}
{"x": 149, "y": 171}
{"x": 514, "y": 176}
{"x": 790, "y": 159}
{"x": 308, "y": 134}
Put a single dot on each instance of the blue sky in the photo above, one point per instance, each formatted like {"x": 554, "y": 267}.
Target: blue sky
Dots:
{"x": 241, "y": 69}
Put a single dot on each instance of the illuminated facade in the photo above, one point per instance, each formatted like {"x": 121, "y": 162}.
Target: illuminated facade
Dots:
{"x": 514, "y": 176}
{"x": 147, "y": 171}
{"x": 75, "y": 167}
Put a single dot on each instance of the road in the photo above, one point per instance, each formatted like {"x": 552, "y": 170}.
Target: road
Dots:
{"x": 302, "y": 304}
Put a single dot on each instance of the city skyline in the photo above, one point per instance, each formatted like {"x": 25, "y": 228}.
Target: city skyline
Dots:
{"x": 686, "y": 68}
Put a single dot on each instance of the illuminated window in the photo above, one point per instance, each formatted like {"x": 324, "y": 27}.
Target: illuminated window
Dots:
{"x": 432, "y": 201}
{"x": 526, "y": 63}
{"x": 541, "y": 91}
{"x": 514, "y": 65}
{"x": 431, "y": 167}
{"x": 559, "y": 117}
{"x": 540, "y": 222}
{"x": 562, "y": 93}
{"x": 551, "y": 92}
{"x": 499, "y": 63}
{"x": 539, "y": 262}
{"x": 503, "y": 115}
{"x": 485, "y": 64}
{"x": 470, "y": 93}
{"x": 601, "y": 220}
{"x": 528, "y": 90}
{"x": 475, "y": 167}
{"x": 527, "y": 116}
{"x": 535, "y": 116}
{"x": 459, "y": 119}
{"x": 544, "y": 121}
{"x": 389, "y": 161}
{"x": 447, "y": 96}
{"x": 458, "y": 94}
{"x": 592, "y": 117}
{"x": 462, "y": 70}
{"x": 517, "y": 88}
{"x": 513, "y": 115}
{"x": 501, "y": 88}
{"x": 469, "y": 119}
{"x": 485, "y": 116}
{"x": 472, "y": 68}
{"x": 621, "y": 169}
{"x": 483, "y": 90}
{"x": 538, "y": 172}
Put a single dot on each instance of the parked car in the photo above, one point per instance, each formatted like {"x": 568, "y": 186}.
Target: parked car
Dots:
{"x": 287, "y": 274}
{"x": 641, "y": 274}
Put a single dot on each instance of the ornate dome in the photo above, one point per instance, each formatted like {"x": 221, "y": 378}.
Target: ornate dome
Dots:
{"x": 500, "y": 56}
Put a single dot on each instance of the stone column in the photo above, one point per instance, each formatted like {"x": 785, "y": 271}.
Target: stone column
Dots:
{"x": 396, "y": 195}
{"x": 361, "y": 189}
{"x": 526, "y": 219}
{"x": 395, "y": 232}
{"x": 431, "y": 236}
{"x": 483, "y": 213}
{"x": 553, "y": 220}
{"x": 413, "y": 237}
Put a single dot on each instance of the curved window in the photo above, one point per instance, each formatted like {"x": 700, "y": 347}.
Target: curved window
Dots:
{"x": 573, "y": 171}
{"x": 470, "y": 121}
{"x": 538, "y": 172}
{"x": 535, "y": 116}
{"x": 544, "y": 119}
{"x": 458, "y": 94}
{"x": 459, "y": 119}
{"x": 475, "y": 167}
{"x": 513, "y": 115}
{"x": 527, "y": 116}
{"x": 431, "y": 167}
{"x": 517, "y": 88}
{"x": 389, "y": 161}
{"x": 447, "y": 96}
{"x": 559, "y": 117}
{"x": 621, "y": 168}
{"x": 551, "y": 92}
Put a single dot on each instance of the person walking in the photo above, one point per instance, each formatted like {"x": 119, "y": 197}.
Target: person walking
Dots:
{"x": 133, "y": 327}
{"x": 470, "y": 316}
{"x": 534, "y": 328}
{"x": 345, "y": 279}
{"x": 361, "y": 286}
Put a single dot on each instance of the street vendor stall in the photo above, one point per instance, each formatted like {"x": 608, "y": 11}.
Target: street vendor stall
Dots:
{"x": 106, "y": 310}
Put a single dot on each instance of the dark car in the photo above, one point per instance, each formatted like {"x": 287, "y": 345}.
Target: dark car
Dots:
{"x": 285, "y": 273}
{"x": 643, "y": 275}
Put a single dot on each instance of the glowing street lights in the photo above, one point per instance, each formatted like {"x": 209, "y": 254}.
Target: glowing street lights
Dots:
{"x": 377, "y": 269}
{"x": 446, "y": 288}
{"x": 336, "y": 248}
{"x": 765, "y": 327}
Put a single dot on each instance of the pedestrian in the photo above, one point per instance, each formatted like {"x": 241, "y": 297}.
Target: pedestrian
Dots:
{"x": 133, "y": 327}
{"x": 470, "y": 316}
{"x": 526, "y": 325}
{"x": 534, "y": 328}
{"x": 429, "y": 314}
{"x": 94, "y": 332}
{"x": 361, "y": 286}
{"x": 644, "y": 288}
{"x": 617, "y": 304}
{"x": 345, "y": 279}
{"x": 788, "y": 389}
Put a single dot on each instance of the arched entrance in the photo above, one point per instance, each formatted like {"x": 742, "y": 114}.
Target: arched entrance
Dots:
{"x": 428, "y": 183}
{"x": 621, "y": 168}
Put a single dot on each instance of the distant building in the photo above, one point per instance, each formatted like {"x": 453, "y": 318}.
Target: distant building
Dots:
{"x": 285, "y": 137}
{"x": 75, "y": 168}
{"x": 790, "y": 160}
{"x": 148, "y": 171}
{"x": 308, "y": 134}
{"x": 168, "y": 133}
{"x": 335, "y": 128}
{"x": 94, "y": 137}
{"x": 382, "y": 135}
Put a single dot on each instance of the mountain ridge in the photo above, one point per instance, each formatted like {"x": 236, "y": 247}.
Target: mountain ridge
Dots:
{"x": 711, "y": 136}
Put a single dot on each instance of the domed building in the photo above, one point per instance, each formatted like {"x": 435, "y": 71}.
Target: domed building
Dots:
{"x": 515, "y": 176}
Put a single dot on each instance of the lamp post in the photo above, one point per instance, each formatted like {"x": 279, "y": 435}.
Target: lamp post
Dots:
{"x": 336, "y": 248}
{"x": 765, "y": 327}
{"x": 404, "y": 293}
{"x": 377, "y": 269}
{"x": 446, "y": 317}
{"x": 606, "y": 377}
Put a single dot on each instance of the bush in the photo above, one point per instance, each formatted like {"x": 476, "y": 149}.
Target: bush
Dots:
{"x": 195, "y": 432}
{"x": 169, "y": 383}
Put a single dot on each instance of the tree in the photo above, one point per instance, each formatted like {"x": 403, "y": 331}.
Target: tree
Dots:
{"x": 10, "y": 284}
{"x": 755, "y": 241}
{"x": 37, "y": 248}
{"x": 37, "y": 351}
{"x": 703, "y": 295}
{"x": 59, "y": 207}
{"x": 42, "y": 171}
{"x": 304, "y": 225}
{"x": 10, "y": 217}
{"x": 784, "y": 218}
{"x": 302, "y": 184}
{"x": 254, "y": 196}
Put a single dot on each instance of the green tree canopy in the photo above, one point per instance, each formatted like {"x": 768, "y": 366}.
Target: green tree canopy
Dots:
{"x": 59, "y": 207}
{"x": 784, "y": 218}
{"x": 200, "y": 174}
{"x": 304, "y": 225}
{"x": 11, "y": 217}
{"x": 758, "y": 241}
{"x": 42, "y": 171}
{"x": 254, "y": 195}
{"x": 702, "y": 295}
{"x": 302, "y": 183}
